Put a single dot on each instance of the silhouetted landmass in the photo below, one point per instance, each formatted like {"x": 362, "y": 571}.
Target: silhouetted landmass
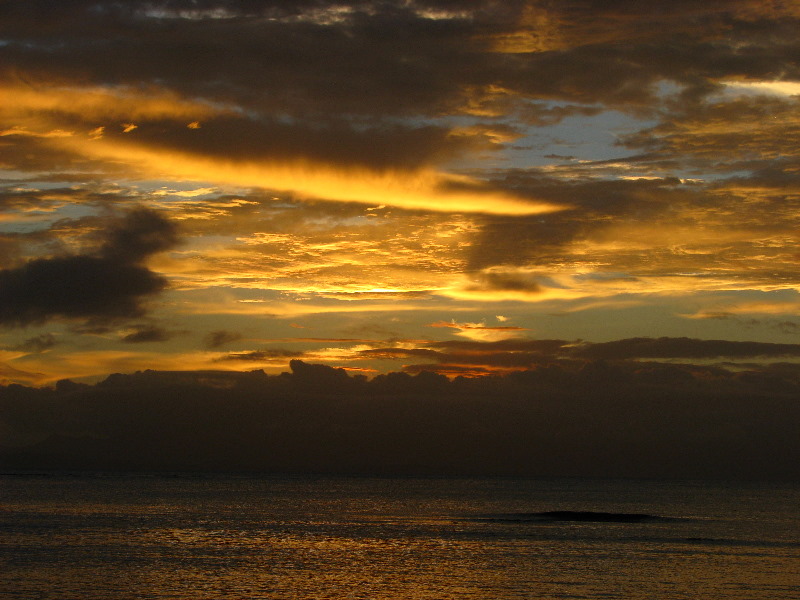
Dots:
{"x": 572, "y": 419}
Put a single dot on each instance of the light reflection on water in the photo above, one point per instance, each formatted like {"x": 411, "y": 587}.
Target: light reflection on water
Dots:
{"x": 108, "y": 537}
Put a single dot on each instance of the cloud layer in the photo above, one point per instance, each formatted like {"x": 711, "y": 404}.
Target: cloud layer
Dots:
{"x": 597, "y": 420}
{"x": 618, "y": 179}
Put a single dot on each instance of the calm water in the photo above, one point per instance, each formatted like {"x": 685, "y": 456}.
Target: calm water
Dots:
{"x": 214, "y": 537}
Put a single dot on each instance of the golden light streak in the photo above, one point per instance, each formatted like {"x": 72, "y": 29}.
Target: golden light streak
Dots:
{"x": 101, "y": 362}
{"x": 424, "y": 189}
{"x": 44, "y": 97}
{"x": 24, "y": 131}
{"x": 780, "y": 88}
{"x": 272, "y": 309}
{"x": 747, "y": 308}
{"x": 480, "y": 332}
{"x": 33, "y": 110}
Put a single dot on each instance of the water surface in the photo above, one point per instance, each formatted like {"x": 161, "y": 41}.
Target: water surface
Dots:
{"x": 99, "y": 536}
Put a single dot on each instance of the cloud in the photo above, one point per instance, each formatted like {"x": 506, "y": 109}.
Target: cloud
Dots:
{"x": 148, "y": 333}
{"x": 411, "y": 159}
{"x": 746, "y": 308}
{"x": 139, "y": 234}
{"x": 593, "y": 57}
{"x": 481, "y": 331}
{"x": 504, "y": 282}
{"x": 588, "y": 420}
{"x": 394, "y": 353}
{"x": 220, "y": 337}
{"x": 683, "y": 348}
{"x": 260, "y": 355}
{"x": 485, "y": 355}
{"x": 479, "y": 57}
{"x": 716, "y": 134}
{"x": 419, "y": 189}
{"x": 9, "y": 375}
{"x": 112, "y": 283}
{"x": 40, "y": 343}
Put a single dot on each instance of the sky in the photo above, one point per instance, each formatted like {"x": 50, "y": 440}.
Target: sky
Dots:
{"x": 469, "y": 187}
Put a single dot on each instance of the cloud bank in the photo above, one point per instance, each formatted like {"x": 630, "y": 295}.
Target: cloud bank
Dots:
{"x": 596, "y": 419}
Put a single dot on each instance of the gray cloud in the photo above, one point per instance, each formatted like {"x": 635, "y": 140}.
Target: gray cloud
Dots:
{"x": 149, "y": 333}
{"x": 260, "y": 355}
{"x": 109, "y": 284}
{"x": 450, "y": 355}
{"x": 683, "y": 348}
{"x": 377, "y": 146}
{"x": 391, "y": 58}
{"x": 593, "y": 205}
{"x": 37, "y": 344}
{"x": 220, "y": 337}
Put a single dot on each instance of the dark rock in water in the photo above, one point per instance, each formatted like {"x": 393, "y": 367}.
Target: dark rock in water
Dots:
{"x": 599, "y": 517}
{"x": 580, "y": 516}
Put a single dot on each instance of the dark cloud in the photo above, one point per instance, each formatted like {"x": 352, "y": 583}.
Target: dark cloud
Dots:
{"x": 509, "y": 282}
{"x": 37, "y": 344}
{"x": 215, "y": 339}
{"x": 592, "y": 419}
{"x": 592, "y": 206}
{"x": 260, "y": 355}
{"x": 541, "y": 347}
{"x": 718, "y": 135}
{"x": 394, "y": 353}
{"x": 376, "y": 146}
{"x": 110, "y": 284}
{"x": 520, "y": 353}
{"x": 33, "y": 155}
{"x": 149, "y": 333}
{"x": 388, "y": 58}
{"x": 683, "y": 348}
{"x": 789, "y": 327}
{"x": 141, "y": 233}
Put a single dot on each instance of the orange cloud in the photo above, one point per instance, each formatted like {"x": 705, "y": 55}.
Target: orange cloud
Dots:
{"x": 481, "y": 331}
{"x": 425, "y": 189}
{"x": 43, "y": 99}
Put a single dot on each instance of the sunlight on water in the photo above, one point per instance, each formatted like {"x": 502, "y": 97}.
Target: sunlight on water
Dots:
{"x": 107, "y": 537}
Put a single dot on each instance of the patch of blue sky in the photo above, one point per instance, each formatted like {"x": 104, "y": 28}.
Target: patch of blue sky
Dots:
{"x": 580, "y": 137}
{"x": 574, "y": 138}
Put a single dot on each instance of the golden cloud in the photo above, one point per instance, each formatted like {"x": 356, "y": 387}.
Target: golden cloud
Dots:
{"x": 423, "y": 189}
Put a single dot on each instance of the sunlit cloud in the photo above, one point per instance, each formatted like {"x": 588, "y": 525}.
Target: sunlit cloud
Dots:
{"x": 780, "y": 88}
{"x": 723, "y": 311}
{"x": 100, "y": 362}
{"x": 509, "y": 168}
{"x": 481, "y": 331}
{"x": 423, "y": 189}
{"x": 40, "y": 100}
{"x": 24, "y": 131}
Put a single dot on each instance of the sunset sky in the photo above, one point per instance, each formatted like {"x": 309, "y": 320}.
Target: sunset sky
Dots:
{"x": 458, "y": 186}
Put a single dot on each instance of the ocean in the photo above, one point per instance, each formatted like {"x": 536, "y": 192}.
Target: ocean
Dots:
{"x": 138, "y": 536}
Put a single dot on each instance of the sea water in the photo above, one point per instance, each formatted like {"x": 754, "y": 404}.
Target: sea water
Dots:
{"x": 101, "y": 536}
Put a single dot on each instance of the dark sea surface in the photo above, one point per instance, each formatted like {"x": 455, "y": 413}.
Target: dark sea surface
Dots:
{"x": 93, "y": 537}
